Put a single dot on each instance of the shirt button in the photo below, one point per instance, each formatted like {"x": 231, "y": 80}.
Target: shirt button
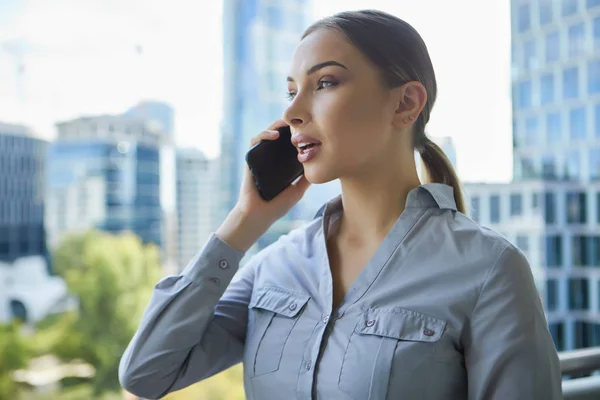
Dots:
{"x": 223, "y": 264}
{"x": 428, "y": 332}
{"x": 326, "y": 319}
{"x": 370, "y": 322}
{"x": 292, "y": 306}
{"x": 308, "y": 365}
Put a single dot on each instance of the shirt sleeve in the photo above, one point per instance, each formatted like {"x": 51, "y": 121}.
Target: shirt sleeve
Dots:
{"x": 194, "y": 325}
{"x": 509, "y": 353}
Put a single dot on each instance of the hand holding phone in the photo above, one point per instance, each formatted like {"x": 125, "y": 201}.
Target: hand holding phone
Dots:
{"x": 274, "y": 164}
{"x": 252, "y": 215}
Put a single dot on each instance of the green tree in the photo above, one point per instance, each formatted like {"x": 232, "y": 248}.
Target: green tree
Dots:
{"x": 14, "y": 354}
{"x": 113, "y": 277}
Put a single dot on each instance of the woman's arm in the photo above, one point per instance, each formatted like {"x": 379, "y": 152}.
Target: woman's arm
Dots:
{"x": 509, "y": 353}
{"x": 194, "y": 325}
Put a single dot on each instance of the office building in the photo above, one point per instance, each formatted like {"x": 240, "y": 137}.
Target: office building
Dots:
{"x": 22, "y": 180}
{"x": 104, "y": 173}
{"x": 196, "y": 202}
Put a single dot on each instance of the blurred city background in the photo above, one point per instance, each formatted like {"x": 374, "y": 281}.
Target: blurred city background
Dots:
{"x": 123, "y": 129}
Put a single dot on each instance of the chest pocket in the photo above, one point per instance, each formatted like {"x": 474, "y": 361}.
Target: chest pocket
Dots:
{"x": 382, "y": 338}
{"x": 274, "y": 312}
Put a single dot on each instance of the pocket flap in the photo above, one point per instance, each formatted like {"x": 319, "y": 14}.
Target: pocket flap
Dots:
{"x": 400, "y": 323}
{"x": 280, "y": 301}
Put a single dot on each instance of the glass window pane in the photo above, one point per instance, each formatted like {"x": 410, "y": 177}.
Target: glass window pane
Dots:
{"x": 577, "y": 125}
{"x": 576, "y": 40}
{"x": 552, "y": 47}
{"x": 524, "y": 18}
{"x": 594, "y": 77}
{"x": 553, "y": 128}
{"x": 547, "y": 89}
{"x": 571, "y": 83}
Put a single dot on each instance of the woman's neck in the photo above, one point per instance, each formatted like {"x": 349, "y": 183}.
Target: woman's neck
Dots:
{"x": 373, "y": 204}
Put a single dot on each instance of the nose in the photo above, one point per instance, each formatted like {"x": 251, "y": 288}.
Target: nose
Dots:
{"x": 297, "y": 113}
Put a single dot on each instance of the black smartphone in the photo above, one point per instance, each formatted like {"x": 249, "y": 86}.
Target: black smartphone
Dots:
{"x": 274, "y": 164}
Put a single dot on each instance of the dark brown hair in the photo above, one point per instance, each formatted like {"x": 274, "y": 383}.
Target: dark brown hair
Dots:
{"x": 401, "y": 54}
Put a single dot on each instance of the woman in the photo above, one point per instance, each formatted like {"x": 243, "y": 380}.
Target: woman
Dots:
{"x": 391, "y": 292}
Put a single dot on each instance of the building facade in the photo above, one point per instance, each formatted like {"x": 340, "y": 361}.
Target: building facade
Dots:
{"x": 556, "y": 89}
{"x": 104, "y": 173}
{"x": 22, "y": 180}
{"x": 195, "y": 202}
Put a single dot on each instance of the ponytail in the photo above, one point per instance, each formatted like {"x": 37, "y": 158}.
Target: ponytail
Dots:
{"x": 439, "y": 169}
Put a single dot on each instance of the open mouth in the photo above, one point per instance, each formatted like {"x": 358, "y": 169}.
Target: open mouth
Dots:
{"x": 303, "y": 148}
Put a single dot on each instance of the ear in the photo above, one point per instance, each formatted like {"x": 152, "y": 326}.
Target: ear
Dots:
{"x": 410, "y": 100}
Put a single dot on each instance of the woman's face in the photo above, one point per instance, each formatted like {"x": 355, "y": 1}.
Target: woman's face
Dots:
{"x": 338, "y": 100}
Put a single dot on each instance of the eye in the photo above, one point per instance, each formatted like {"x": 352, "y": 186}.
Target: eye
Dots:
{"x": 326, "y": 84}
{"x": 290, "y": 95}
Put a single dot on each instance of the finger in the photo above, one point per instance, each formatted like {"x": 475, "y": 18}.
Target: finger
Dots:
{"x": 264, "y": 135}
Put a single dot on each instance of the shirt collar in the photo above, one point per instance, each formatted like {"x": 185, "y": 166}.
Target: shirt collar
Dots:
{"x": 425, "y": 196}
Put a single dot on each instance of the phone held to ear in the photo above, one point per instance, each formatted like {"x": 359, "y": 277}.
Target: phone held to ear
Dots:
{"x": 274, "y": 164}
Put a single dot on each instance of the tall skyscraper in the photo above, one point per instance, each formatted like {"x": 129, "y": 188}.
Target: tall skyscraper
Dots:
{"x": 22, "y": 180}
{"x": 196, "y": 202}
{"x": 104, "y": 172}
{"x": 259, "y": 40}
{"x": 552, "y": 209}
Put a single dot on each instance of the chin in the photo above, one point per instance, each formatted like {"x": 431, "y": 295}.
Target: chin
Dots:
{"x": 317, "y": 174}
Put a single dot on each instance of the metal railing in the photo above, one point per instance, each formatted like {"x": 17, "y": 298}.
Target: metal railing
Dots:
{"x": 577, "y": 368}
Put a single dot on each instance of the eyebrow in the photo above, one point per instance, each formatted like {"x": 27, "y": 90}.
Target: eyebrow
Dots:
{"x": 319, "y": 66}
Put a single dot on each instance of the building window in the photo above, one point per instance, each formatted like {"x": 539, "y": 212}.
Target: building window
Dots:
{"x": 554, "y": 252}
{"x": 576, "y": 40}
{"x": 552, "y": 47}
{"x": 580, "y": 251}
{"x": 553, "y": 128}
{"x": 524, "y": 18}
{"x": 577, "y": 124}
{"x": 550, "y": 207}
{"x": 572, "y": 165}
{"x": 475, "y": 208}
{"x": 579, "y": 294}
{"x": 594, "y": 77}
{"x": 583, "y": 332}
{"x": 576, "y": 208}
{"x": 571, "y": 83}
{"x": 529, "y": 56}
{"x": 547, "y": 89}
{"x": 545, "y": 12}
{"x": 596, "y": 31}
{"x": 557, "y": 330}
{"x": 528, "y": 169}
{"x": 531, "y": 131}
{"x": 535, "y": 200}
{"x": 495, "y": 209}
{"x": 597, "y": 120}
{"x": 516, "y": 204}
{"x": 552, "y": 300}
{"x": 594, "y": 246}
{"x": 549, "y": 167}
{"x": 592, "y": 3}
{"x": 524, "y": 95}
{"x": 522, "y": 242}
{"x": 569, "y": 7}
{"x": 595, "y": 165}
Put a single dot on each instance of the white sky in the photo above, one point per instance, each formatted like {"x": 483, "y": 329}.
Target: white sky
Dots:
{"x": 83, "y": 61}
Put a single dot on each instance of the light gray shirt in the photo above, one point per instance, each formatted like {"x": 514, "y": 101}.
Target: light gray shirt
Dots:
{"x": 445, "y": 309}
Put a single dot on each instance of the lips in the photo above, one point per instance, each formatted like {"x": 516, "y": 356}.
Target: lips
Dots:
{"x": 308, "y": 147}
{"x": 303, "y": 142}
